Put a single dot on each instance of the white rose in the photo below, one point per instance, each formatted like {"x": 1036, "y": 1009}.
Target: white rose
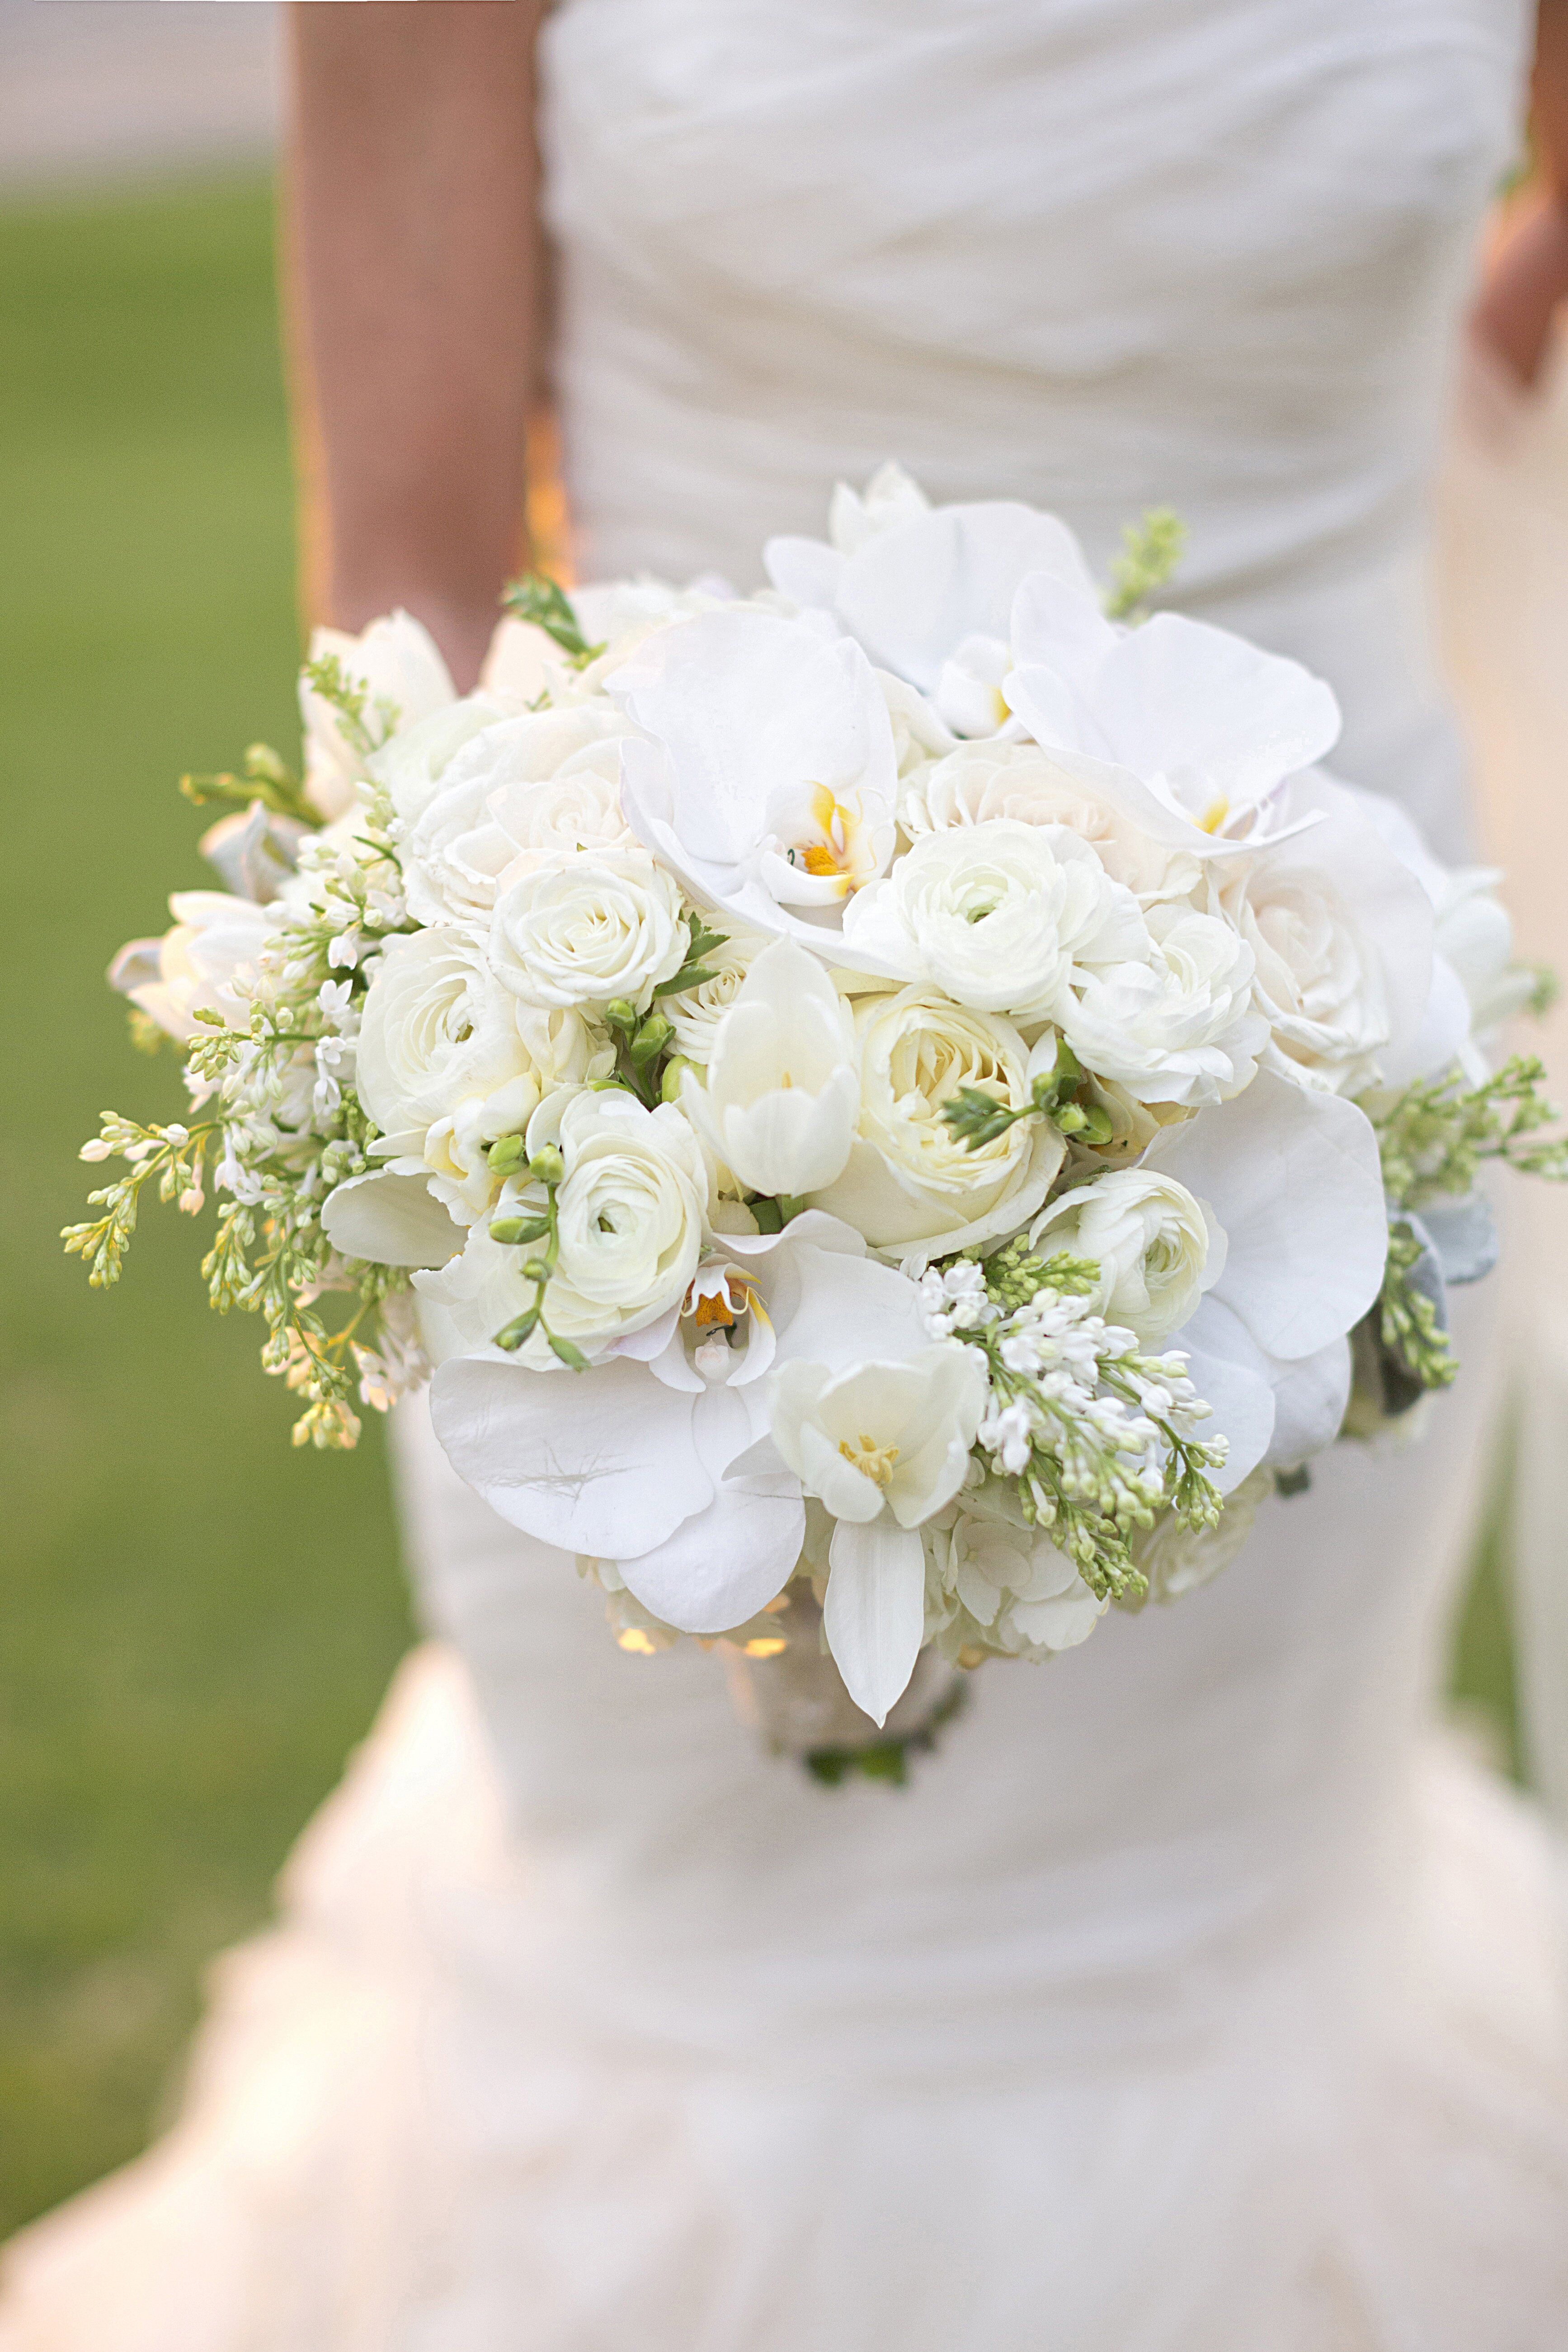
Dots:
{"x": 910, "y": 1178}
{"x": 546, "y": 784}
{"x": 982, "y": 781}
{"x": 214, "y": 943}
{"x": 695, "y": 1013}
{"x": 1000, "y": 915}
{"x": 1158, "y": 1249}
{"x": 404, "y": 679}
{"x": 783, "y": 1092}
{"x": 586, "y": 930}
{"x": 1007, "y": 1587}
{"x": 439, "y": 1031}
{"x": 1177, "y": 1025}
{"x": 630, "y": 1213}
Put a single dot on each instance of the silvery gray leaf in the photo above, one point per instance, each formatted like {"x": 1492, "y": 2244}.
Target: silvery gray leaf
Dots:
{"x": 1464, "y": 1234}
{"x": 1426, "y": 1275}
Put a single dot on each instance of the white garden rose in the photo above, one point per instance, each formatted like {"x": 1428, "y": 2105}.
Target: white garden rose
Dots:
{"x": 196, "y": 965}
{"x": 979, "y": 783}
{"x": 439, "y": 1031}
{"x": 587, "y": 930}
{"x": 1158, "y": 1249}
{"x": 524, "y": 789}
{"x": 909, "y": 1179}
{"x": 630, "y": 1214}
{"x": 1001, "y": 915}
{"x": 1178, "y": 1024}
{"x": 695, "y": 1013}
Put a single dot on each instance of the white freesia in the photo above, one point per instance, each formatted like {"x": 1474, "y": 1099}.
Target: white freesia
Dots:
{"x": 1198, "y": 729}
{"x": 978, "y": 783}
{"x": 783, "y": 1091}
{"x": 1001, "y": 915}
{"x": 397, "y": 666}
{"x": 1344, "y": 935}
{"x": 1176, "y": 1024}
{"x": 1157, "y": 1248}
{"x": 630, "y": 1213}
{"x": 1004, "y": 1587}
{"x": 635, "y": 1470}
{"x": 769, "y": 780}
{"x": 588, "y": 930}
{"x": 909, "y": 1178}
{"x": 882, "y": 1447}
{"x": 202, "y": 964}
{"x": 519, "y": 792}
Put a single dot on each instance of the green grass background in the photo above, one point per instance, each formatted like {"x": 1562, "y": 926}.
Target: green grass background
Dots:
{"x": 196, "y": 1622}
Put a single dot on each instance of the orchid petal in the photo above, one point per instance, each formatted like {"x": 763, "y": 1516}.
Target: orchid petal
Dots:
{"x": 391, "y": 1218}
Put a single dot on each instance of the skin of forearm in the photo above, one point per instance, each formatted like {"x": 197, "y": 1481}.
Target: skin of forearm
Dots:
{"x": 411, "y": 273}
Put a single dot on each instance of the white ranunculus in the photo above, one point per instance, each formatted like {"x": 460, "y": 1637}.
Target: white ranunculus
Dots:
{"x": 524, "y": 789}
{"x": 630, "y": 1213}
{"x": 438, "y": 1030}
{"x": 1176, "y": 1024}
{"x": 587, "y": 930}
{"x": 882, "y": 1445}
{"x": 769, "y": 778}
{"x": 1019, "y": 1594}
{"x": 695, "y": 1013}
{"x": 645, "y": 1468}
{"x": 214, "y": 943}
{"x": 909, "y": 1178}
{"x": 783, "y": 1091}
{"x": 1198, "y": 729}
{"x": 1343, "y": 934}
{"x": 1001, "y": 915}
{"x": 412, "y": 766}
{"x": 396, "y": 661}
{"x": 981, "y": 782}
{"x": 1158, "y": 1249}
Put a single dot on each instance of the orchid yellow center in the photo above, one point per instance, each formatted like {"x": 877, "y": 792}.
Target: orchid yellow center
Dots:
{"x": 1215, "y": 816}
{"x": 830, "y": 856}
{"x": 872, "y": 1461}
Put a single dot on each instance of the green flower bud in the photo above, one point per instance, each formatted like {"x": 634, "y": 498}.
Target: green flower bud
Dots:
{"x": 506, "y": 1153}
{"x": 651, "y": 1039}
{"x": 670, "y": 1085}
{"x": 621, "y": 1015}
{"x": 533, "y": 1268}
{"x": 546, "y": 1166}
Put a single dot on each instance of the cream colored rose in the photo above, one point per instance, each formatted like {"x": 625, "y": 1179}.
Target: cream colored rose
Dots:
{"x": 545, "y": 784}
{"x": 982, "y": 781}
{"x": 909, "y": 1180}
{"x": 1158, "y": 1249}
{"x": 587, "y": 930}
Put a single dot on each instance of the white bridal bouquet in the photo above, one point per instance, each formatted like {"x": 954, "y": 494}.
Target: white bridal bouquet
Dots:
{"x": 889, "y": 1111}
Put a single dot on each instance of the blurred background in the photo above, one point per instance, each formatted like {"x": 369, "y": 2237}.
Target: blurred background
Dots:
{"x": 197, "y": 1622}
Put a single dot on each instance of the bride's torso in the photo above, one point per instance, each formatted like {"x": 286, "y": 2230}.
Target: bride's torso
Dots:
{"x": 1099, "y": 254}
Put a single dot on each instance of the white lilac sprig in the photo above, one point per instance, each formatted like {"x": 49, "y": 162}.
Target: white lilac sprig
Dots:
{"x": 1094, "y": 1437}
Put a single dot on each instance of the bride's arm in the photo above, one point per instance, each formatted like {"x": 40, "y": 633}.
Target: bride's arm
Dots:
{"x": 1527, "y": 276}
{"x": 412, "y": 291}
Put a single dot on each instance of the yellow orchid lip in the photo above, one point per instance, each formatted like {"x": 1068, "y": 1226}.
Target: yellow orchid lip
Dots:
{"x": 1215, "y": 816}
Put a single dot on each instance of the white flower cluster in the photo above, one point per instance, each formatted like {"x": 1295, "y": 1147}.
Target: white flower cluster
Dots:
{"x": 847, "y": 1028}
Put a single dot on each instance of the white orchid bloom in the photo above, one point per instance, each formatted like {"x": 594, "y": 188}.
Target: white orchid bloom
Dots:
{"x": 783, "y": 1089}
{"x": 929, "y": 592}
{"x": 882, "y": 1445}
{"x": 1001, "y": 915}
{"x": 769, "y": 780}
{"x": 635, "y": 1471}
{"x": 1294, "y": 1182}
{"x": 1198, "y": 729}
{"x": 398, "y": 665}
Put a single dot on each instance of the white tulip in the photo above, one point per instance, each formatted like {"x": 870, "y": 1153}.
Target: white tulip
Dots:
{"x": 980, "y": 781}
{"x": 196, "y": 966}
{"x": 909, "y": 1178}
{"x": 1157, "y": 1248}
{"x": 882, "y": 1447}
{"x": 1001, "y": 915}
{"x": 586, "y": 930}
{"x": 783, "y": 1092}
{"x": 397, "y": 664}
{"x": 1176, "y": 1024}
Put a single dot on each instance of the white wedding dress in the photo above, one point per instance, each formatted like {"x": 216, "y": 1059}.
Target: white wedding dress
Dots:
{"x": 1194, "y": 1996}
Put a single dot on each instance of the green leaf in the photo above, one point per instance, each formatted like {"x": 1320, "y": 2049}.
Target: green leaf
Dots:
{"x": 543, "y": 603}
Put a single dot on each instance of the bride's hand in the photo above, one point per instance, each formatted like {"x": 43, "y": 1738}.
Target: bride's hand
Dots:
{"x": 1525, "y": 279}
